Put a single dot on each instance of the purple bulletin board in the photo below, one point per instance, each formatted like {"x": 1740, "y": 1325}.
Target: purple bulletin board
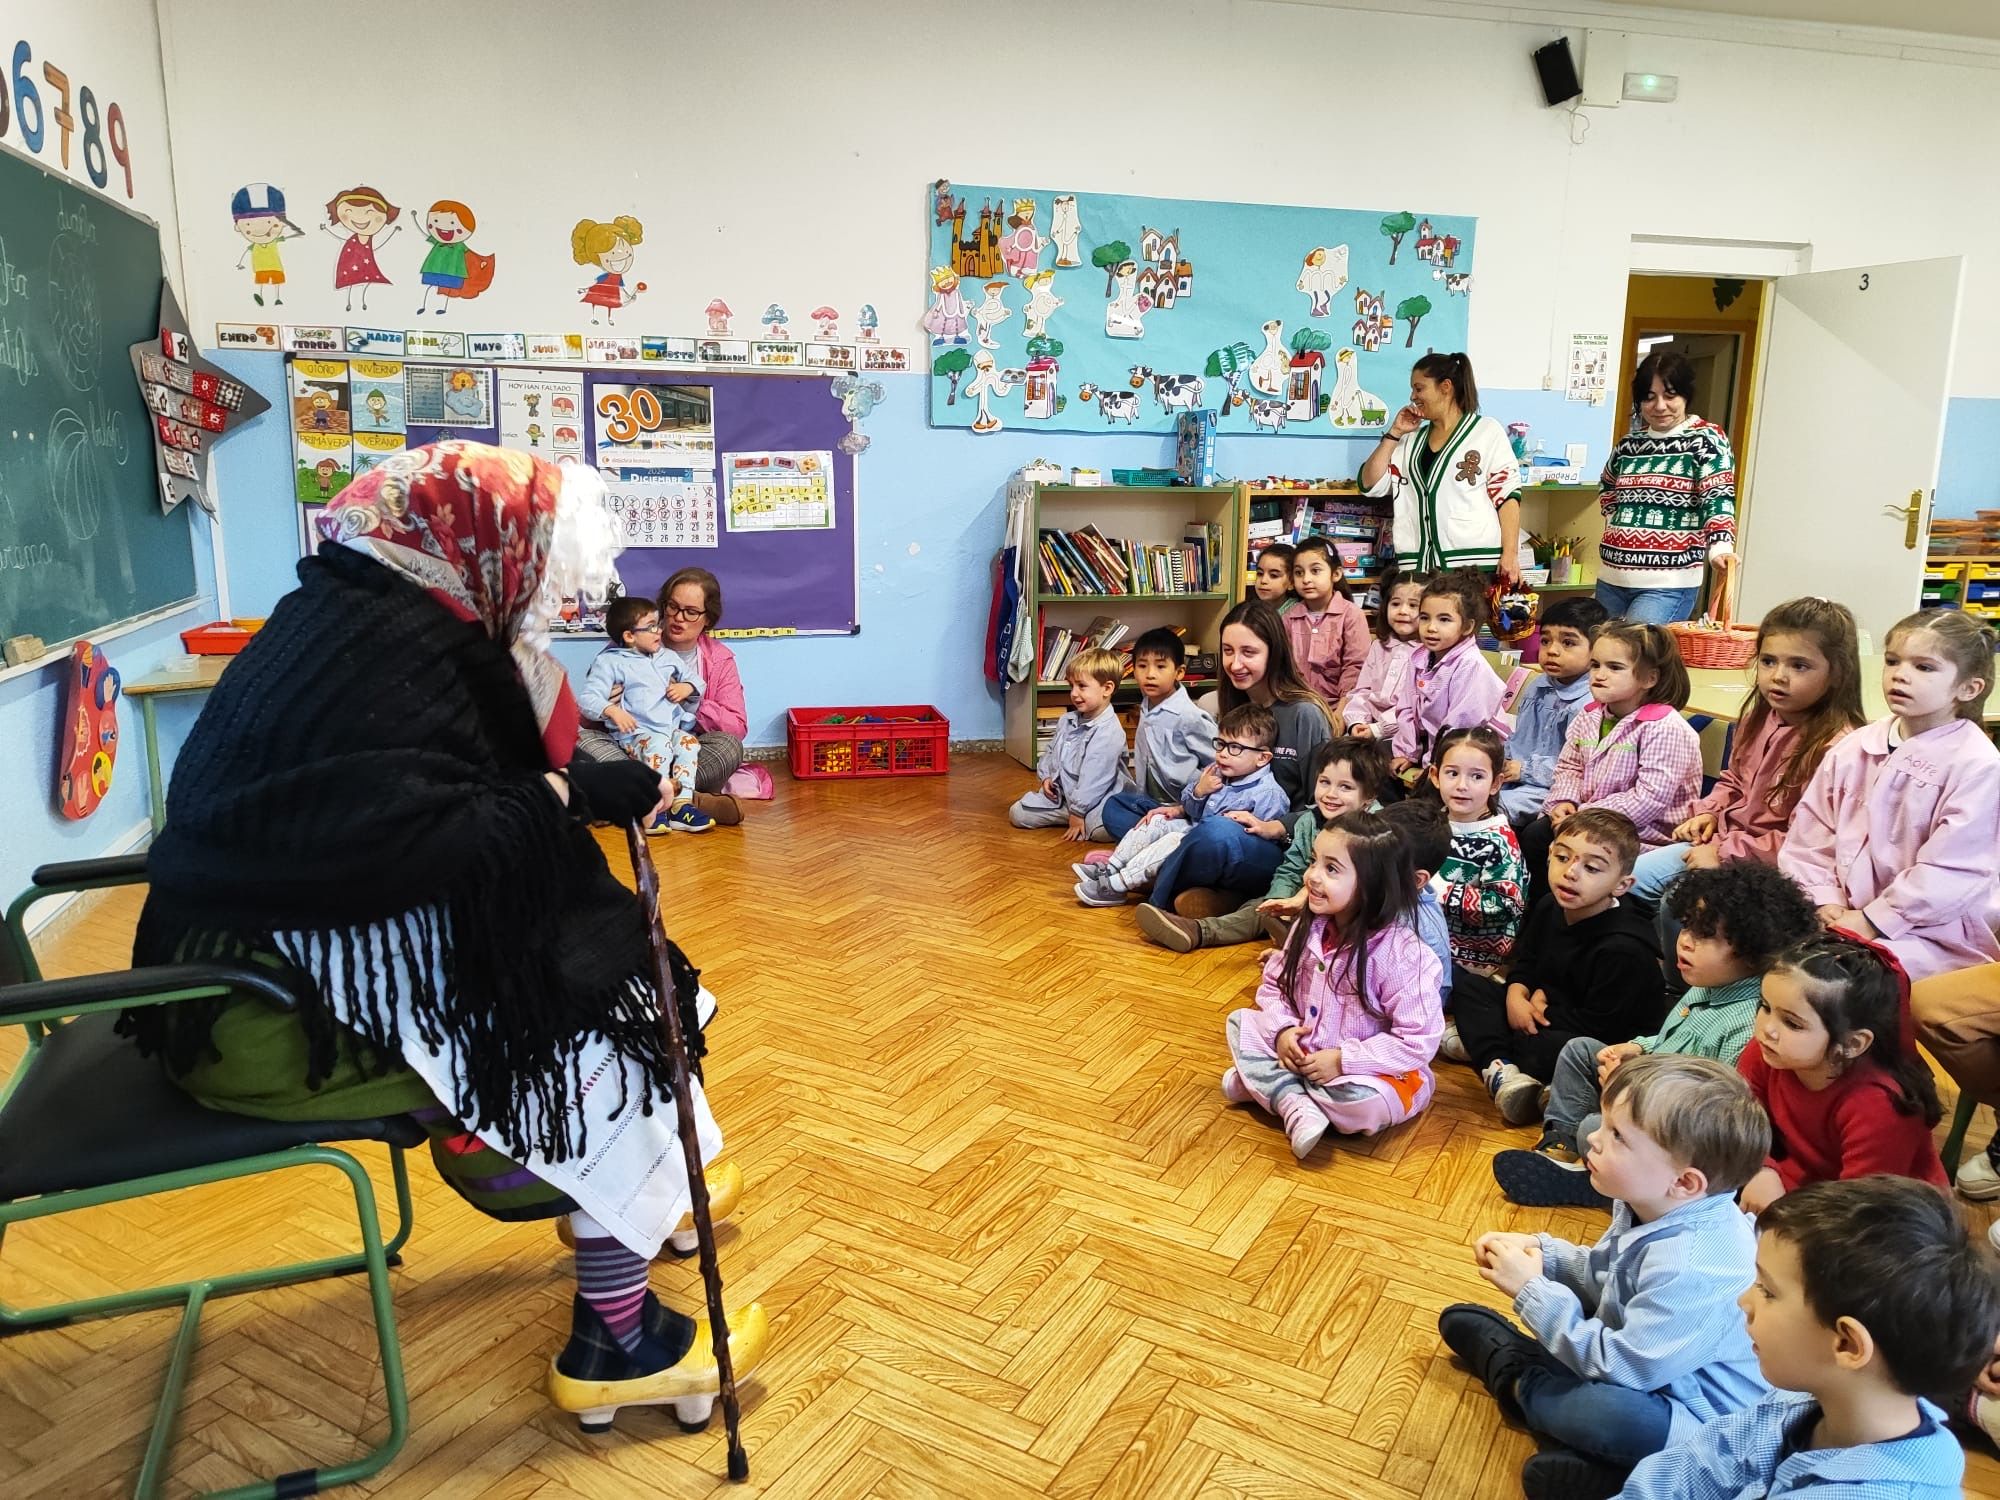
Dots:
{"x": 782, "y": 581}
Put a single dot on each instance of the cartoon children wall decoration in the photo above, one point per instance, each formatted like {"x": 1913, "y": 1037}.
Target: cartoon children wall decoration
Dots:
{"x": 945, "y": 318}
{"x": 453, "y": 268}
{"x": 987, "y": 381}
{"x": 1042, "y": 302}
{"x": 1324, "y": 273}
{"x": 1021, "y": 247}
{"x": 1065, "y": 229}
{"x": 358, "y": 218}
{"x": 609, "y": 248}
{"x": 463, "y": 398}
{"x": 991, "y": 313}
{"x": 258, "y": 212}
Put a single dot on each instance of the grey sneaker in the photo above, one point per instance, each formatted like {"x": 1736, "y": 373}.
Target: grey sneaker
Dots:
{"x": 1517, "y": 1096}
{"x": 1451, "y": 1048}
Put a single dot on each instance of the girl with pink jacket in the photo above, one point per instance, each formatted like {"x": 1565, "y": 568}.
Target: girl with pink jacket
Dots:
{"x": 1450, "y": 686}
{"x": 1370, "y": 710}
{"x": 1807, "y": 694}
{"x": 1898, "y": 834}
{"x": 1349, "y": 1015}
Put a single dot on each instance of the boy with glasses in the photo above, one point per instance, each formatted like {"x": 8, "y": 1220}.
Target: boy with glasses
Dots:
{"x": 1237, "y": 784}
{"x": 652, "y": 718}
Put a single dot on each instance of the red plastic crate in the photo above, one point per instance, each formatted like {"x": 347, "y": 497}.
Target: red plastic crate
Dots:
{"x": 906, "y": 740}
{"x": 220, "y": 639}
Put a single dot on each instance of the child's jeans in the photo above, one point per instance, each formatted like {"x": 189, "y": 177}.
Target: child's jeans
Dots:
{"x": 1522, "y": 802}
{"x": 1355, "y": 1103}
{"x": 673, "y": 752}
{"x": 1572, "y": 1115}
{"x": 1608, "y": 1422}
{"x": 1122, "y": 810}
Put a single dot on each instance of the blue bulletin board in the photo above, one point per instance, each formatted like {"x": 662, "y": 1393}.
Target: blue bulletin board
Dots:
{"x": 1088, "y": 312}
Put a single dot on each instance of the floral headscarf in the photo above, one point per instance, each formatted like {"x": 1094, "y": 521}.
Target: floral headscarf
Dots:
{"x": 493, "y": 535}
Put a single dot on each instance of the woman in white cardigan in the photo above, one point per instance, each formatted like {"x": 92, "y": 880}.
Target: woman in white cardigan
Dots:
{"x": 1453, "y": 474}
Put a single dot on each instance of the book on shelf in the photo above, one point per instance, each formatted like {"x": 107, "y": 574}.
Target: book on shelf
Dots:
{"x": 1058, "y": 646}
{"x": 1086, "y": 562}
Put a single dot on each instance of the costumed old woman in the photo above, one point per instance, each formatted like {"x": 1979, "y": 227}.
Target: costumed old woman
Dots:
{"x": 379, "y": 799}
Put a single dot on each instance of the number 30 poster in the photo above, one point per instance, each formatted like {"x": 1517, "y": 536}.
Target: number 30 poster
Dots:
{"x": 655, "y": 446}
{"x": 653, "y": 427}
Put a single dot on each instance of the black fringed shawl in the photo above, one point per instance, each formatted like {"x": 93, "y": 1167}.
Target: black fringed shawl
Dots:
{"x": 369, "y": 773}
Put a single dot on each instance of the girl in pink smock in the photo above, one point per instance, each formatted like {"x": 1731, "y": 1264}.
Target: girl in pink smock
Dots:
{"x": 1370, "y": 710}
{"x": 1349, "y": 1015}
{"x": 1450, "y": 685}
{"x": 1898, "y": 834}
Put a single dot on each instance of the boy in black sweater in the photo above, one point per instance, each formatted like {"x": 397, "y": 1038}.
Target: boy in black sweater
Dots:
{"x": 1585, "y": 964}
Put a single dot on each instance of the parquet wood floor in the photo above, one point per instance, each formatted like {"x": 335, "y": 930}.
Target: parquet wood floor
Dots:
{"x": 1014, "y": 1241}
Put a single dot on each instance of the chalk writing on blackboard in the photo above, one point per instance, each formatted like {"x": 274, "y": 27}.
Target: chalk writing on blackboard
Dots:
{"x": 73, "y": 314}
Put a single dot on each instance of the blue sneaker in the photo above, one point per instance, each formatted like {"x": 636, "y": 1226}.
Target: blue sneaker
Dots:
{"x": 687, "y": 818}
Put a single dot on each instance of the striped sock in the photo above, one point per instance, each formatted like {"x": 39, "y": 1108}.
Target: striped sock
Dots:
{"x": 610, "y": 1278}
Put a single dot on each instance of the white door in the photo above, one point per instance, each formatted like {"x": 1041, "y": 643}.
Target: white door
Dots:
{"x": 1849, "y": 423}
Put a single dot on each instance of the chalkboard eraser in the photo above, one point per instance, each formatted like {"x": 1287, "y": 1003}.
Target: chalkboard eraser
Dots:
{"x": 22, "y": 648}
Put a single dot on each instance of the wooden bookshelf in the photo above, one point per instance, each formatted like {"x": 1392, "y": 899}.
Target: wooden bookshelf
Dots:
{"x": 1295, "y": 503}
{"x": 1133, "y": 513}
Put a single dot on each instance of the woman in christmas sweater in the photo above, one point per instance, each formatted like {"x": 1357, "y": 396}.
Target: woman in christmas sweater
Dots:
{"x": 1669, "y": 500}
{"x": 1453, "y": 474}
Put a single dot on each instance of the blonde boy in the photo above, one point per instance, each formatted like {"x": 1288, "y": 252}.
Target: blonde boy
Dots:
{"x": 1085, "y": 760}
{"x": 1637, "y": 1341}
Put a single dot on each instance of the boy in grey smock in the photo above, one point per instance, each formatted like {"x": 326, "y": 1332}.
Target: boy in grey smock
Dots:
{"x": 1085, "y": 761}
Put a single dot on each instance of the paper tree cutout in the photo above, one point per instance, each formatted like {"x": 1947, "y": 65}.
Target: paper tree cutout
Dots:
{"x": 194, "y": 404}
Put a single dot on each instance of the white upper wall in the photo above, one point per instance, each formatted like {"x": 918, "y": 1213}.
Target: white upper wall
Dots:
{"x": 113, "y": 48}
{"x": 782, "y": 149}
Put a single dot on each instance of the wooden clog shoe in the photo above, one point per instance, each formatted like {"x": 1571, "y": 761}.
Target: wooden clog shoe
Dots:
{"x": 673, "y": 1364}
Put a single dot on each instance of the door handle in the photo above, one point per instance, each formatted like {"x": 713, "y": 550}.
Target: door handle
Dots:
{"x": 1912, "y": 515}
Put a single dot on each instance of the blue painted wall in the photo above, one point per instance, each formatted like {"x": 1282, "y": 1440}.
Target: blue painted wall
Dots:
{"x": 932, "y": 513}
{"x": 1969, "y": 471}
{"x": 30, "y": 705}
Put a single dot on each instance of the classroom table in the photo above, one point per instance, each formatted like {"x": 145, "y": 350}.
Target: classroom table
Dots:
{"x": 207, "y": 672}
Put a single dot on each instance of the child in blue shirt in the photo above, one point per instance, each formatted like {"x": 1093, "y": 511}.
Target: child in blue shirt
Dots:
{"x": 649, "y": 708}
{"x": 1174, "y": 739}
{"x": 1547, "y": 704}
{"x": 1868, "y": 1292}
{"x": 1084, "y": 763}
{"x": 1239, "y": 781}
{"x": 1636, "y": 1342}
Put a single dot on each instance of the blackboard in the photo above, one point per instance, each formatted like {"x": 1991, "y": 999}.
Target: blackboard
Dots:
{"x": 83, "y": 544}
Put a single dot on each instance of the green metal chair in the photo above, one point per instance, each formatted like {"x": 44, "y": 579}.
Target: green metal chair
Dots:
{"x": 85, "y": 1120}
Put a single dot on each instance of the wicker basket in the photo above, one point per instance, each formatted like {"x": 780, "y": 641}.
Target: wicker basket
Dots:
{"x": 1726, "y": 649}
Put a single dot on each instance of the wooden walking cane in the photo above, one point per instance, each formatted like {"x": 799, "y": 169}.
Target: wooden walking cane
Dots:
{"x": 648, "y": 880}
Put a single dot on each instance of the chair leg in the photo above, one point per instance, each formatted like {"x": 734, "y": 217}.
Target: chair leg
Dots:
{"x": 399, "y": 1171}
{"x": 193, "y": 1295}
{"x": 1954, "y": 1142}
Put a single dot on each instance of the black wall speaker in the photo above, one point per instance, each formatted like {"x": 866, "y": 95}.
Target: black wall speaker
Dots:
{"x": 1557, "y": 70}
